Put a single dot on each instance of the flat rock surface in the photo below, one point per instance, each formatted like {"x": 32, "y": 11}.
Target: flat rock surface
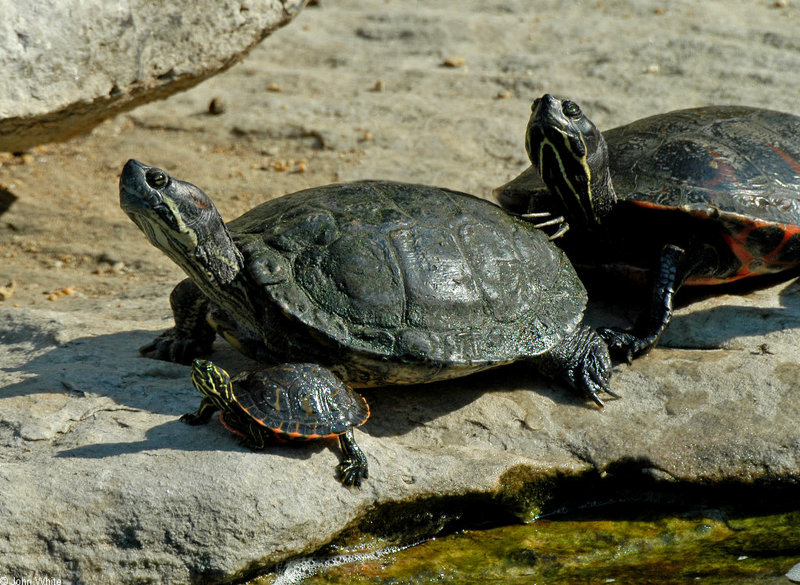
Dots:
{"x": 100, "y": 481}
{"x": 69, "y": 65}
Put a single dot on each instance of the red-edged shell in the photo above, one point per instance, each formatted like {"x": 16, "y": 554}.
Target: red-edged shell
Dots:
{"x": 734, "y": 165}
{"x": 296, "y": 402}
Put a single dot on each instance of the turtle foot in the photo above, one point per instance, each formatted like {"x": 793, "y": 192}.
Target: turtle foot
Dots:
{"x": 352, "y": 470}
{"x": 353, "y": 467}
{"x": 172, "y": 347}
{"x": 191, "y": 418}
{"x": 622, "y": 345}
{"x": 592, "y": 372}
{"x": 583, "y": 362}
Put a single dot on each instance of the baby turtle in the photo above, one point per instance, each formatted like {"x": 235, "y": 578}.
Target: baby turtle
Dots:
{"x": 700, "y": 196}
{"x": 381, "y": 282}
{"x": 289, "y": 402}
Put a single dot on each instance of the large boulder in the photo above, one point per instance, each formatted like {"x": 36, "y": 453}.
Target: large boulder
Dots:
{"x": 69, "y": 65}
{"x": 101, "y": 483}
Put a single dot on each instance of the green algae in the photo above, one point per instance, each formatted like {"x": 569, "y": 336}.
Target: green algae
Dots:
{"x": 634, "y": 544}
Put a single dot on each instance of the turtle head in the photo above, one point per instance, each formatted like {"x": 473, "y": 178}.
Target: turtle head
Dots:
{"x": 572, "y": 158}
{"x": 180, "y": 220}
{"x": 213, "y": 382}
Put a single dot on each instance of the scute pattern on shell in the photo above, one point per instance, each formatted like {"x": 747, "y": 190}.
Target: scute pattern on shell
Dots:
{"x": 409, "y": 270}
{"x": 727, "y": 159}
{"x": 304, "y": 399}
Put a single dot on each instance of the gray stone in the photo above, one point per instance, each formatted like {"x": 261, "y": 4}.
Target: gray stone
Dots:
{"x": 794, "y": 574}
{"x": 100, "y": 482}
{"x": 103, "y": 484}
{"x": 69, "y": 65}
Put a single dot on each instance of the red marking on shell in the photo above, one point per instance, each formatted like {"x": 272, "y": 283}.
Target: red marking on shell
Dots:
{"x": 725, "y": 174}
{"x": 294, "y": 436}
{"x": 751, "y": 264}
{"x": 786, "y": 158}
{"x": 649, "y": 204}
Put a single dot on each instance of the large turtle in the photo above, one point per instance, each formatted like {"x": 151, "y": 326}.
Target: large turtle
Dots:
{"x": 288, "y": 402}
{"x": 382, "y": 282}
{"x": 700, "y": 196}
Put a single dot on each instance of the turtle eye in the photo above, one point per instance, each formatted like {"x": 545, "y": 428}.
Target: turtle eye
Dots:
{"x": 536, "y": 102}
{"x": 156, "y": 178}
{"x": 571, "y": 109}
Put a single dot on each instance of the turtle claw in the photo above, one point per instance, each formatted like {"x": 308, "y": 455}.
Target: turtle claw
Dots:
{"x": 351, "y": 471}
{"x": 584, "y": 364}
{"x": 191, "y": 418}
{"x": 549, "y": 220}
{"x": 623, "y": 346}
{"x": 561, "y": 231}
{"x": 202, "y": 415}
{"x": 594, "y": 381}
{"x": 169, "y": 346}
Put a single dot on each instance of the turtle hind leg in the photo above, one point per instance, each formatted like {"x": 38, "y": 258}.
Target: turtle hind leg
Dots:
{"x": 202, "y": 415}
{"x": 582, "y": 361}
{"x": 353, "y": 467}
{"x": 192, "y": 335}
{"x": 675, "y": 266}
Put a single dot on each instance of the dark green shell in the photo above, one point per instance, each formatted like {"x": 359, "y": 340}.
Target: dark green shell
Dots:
{"x": 299, "y": 401}
{"x": 407, "y": 272}
{"x": 733, "y": 162}
{"x": 733, "y": 159}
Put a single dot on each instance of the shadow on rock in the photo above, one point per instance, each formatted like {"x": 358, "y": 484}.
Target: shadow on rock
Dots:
{"x": 110, "y": 366}
{"x": 396, "y": 410}
{"x": 103, "y": 378}
{"x": 706, "y": 327}
{"x": 178, "y": 436}
{"x": 7, "y": 199}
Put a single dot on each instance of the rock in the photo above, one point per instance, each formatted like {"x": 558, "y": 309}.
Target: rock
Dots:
{"x": 103, "y": 484}
{"x": 67, "y": 66}
{"x": 794, "y": 574}
{"x": 100, "y": 482}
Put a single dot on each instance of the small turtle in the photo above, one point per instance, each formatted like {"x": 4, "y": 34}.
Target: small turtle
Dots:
{"x": 700, "y": 196}
{"x": 289, "y": 402}
{"x": 382, "y": 282}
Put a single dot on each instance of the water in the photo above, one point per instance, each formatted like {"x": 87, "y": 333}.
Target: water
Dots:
{"x": 628, "y": 543}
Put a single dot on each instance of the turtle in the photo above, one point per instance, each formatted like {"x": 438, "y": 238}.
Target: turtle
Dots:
{"x": 382, "y": 282}
{"x": 287, "y": 402}
{"x": 700, "y": 196}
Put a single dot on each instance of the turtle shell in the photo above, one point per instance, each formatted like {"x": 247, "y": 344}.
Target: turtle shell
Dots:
{"x": 298, "y": 402}
{"x": 410, "y": 272}
{"x": 734, "y": 159}
{"x": 735, "y": 167}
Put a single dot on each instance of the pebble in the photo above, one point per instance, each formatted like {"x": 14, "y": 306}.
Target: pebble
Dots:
{"x": 7, "y": 291}
{"x": 216, "y": 107}
{"x": 454, "y": 62}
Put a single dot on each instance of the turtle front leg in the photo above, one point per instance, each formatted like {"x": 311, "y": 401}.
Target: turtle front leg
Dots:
{"x": 353, "y": 467}
{"x": 192, "y": 335}
{"x": 580, "y": 360}
{"x": 202, "y": 415}
{"x": 675, "y": 266}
